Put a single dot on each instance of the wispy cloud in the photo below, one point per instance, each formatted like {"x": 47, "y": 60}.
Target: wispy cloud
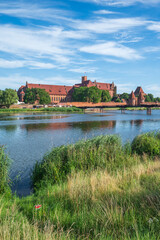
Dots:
{"x": 34, "y": 11}
{"x": 83, "y": 70}
{"x": 154, "y": 27}
{"x": 125, "y": 87}
{"x": 113, "y": 60}
{"x": 112, "y": 49}
{"x": 30, "y": 64}
{"x": 105, "y": 25}
{"x": 52, "y": 42}
{"x": 151, "y": 49}
{"x": 122, "y": 2}
{"x": 104, "y": 12}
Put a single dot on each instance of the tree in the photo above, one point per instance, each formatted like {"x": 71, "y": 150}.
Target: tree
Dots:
{"x": 124, "y": 96}
{"x": 31, "y": 95}
{"x": 1, "y": 97}
{"x": 147, "y": 99}
{"x": 105, "y": 97}
{"x": 43, "y": 96}
{"x": 9, "y": 97}
{"x": 94, "y": 94}
{"x": 80, "y": 94}
{"x": 151, "y": 97}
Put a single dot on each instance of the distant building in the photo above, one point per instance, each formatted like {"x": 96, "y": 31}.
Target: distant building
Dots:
{"x": 62, "y": 93}
{"x": 137, "y": 97}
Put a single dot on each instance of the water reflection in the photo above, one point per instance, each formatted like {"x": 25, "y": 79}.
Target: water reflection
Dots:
{"x": 29, "y": 136}
{"x": 84, "y": 126}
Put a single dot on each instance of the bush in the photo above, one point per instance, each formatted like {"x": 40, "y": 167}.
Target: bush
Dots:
{"x": 99, "y": 152}
{"x": 4, "y": 167}
{"x": 146, "y": 143}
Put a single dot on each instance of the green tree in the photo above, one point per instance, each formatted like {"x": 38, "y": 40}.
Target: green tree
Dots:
{"x": 147, "y": 99}
{"x": 151, "y": 97}
{"x": 105, "y": 97}
{"x": 31, "y": 95}
{"x": 43, "y": 96}
{"x": 80, "y": 94}
{"x": 1, "y": 97}
{"x": 94, "y": 94}
{"x": 9, "y": 97}
{"x": 124, "y": 96}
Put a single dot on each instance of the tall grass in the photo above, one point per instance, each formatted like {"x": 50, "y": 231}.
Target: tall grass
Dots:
{"x": 4, "y": 168}
{"x": 94, "y": 189}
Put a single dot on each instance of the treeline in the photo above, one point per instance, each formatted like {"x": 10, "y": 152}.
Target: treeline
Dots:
{"x": 92, "y": 94}
{"x": 8, "y": 97}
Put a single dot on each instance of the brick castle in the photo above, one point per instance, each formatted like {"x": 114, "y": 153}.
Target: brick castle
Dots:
{"x": 62, "y": 93}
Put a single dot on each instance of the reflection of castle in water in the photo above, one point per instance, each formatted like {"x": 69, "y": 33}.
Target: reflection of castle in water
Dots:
{"x": 84, "y": 126}
{"x": 137, "y": 123}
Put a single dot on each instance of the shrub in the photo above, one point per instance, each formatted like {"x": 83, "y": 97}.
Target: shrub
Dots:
{"x": 146, "y": 143}
{"x": 100, "y": 152}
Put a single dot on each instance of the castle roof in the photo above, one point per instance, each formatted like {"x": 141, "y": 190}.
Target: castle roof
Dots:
{"x": 52, "y": 89}
{"x": 141, "y": 95}
{"x": 138, "y": 91}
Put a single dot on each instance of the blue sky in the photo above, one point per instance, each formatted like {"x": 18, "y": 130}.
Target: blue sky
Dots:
{"x": 56, "y": 42}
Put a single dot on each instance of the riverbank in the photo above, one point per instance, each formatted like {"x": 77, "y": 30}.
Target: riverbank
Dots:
{"x": 94, "y": 189}
{"x": 55, "y": 109}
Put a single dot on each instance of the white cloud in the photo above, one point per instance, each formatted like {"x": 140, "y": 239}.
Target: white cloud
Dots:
{"x": 104, "y": 12}
{"x": 19, "y": 64}
{"x": 151, "y": 49}
{"x": 34, "y": 11}
{"x": 48, "y": 43}
{"x": 122, "y": 2}
{"x": 129, "y": 87}
{"x": 154, "y": 89}
{"x": 154, "y": 27}
{"x": 105, "y": 25}
{"x": 83, "y": 70}
{"x": 112, "y": 49}
{"x": 112, "y": 60}
{"x": 11, "y": 64}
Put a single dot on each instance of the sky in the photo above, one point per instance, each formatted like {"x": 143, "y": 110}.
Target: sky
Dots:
{"x": 57, "y": 42}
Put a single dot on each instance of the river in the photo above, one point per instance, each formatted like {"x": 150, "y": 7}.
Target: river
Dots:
{"x": 29, "y": 136}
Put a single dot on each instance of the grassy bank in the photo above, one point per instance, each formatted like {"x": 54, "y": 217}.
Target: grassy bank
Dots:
{"x": 97, "y": 189}
{"x": 55, "y": 109}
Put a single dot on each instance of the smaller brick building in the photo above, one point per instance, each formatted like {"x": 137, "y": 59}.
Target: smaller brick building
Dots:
{"x": 137, "y": 97}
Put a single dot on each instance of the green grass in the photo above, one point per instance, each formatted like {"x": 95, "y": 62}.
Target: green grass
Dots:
{"x": 55, "y": 109}
{"x": 94, "y": 189}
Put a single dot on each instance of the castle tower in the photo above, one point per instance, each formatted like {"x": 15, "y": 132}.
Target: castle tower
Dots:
{"x": 84, "y": 79}
{"x": 132, "y": 99}
{"x": 141, "y": 98}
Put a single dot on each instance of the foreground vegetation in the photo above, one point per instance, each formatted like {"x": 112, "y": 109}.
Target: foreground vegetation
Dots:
{"x": 95, "y": 189}
{"x": 54, "y": 109}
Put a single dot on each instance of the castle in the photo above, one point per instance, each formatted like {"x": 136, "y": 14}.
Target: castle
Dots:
{"x": 62, "y": 93}
{"x": 137, "y": 97}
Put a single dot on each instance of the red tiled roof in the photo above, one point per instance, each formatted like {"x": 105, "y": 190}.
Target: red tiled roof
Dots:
{"x": 52, "y": 89}
{"x": 103, "y": 86}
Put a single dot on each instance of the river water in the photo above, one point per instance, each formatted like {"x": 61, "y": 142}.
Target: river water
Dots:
{"x": 29, "y": 136}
